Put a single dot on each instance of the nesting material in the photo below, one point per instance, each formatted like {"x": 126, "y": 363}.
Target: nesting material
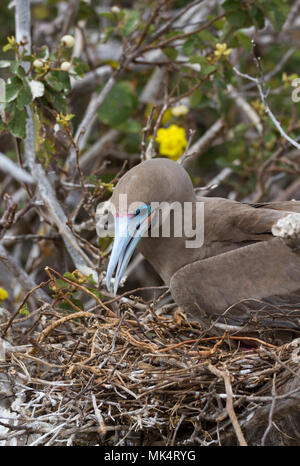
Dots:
{"x": 128, "y": 373}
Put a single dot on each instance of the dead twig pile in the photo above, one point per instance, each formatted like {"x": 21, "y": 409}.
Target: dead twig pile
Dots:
{"x": 138, "y": 377}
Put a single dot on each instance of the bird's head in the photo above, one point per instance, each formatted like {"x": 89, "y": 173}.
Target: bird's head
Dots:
{"x": 149, "y": 183}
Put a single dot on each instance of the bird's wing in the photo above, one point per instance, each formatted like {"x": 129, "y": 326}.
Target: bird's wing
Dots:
{"x": 227, "y": 221}
{"x": 288, "y": 206}
{"x": 266, "y": 271}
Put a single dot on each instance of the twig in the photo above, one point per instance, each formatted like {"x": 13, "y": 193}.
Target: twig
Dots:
{"x": 204, "y": 142}
{"x": 272, "y": 407}
{"x": 229, "y": 403}
{"x": 51, "y": 271}
{"x": 99, "y": 417}
{"x": 215, "y": 182}
{"x": 22, "y": 277}
{"x": 70, "y": 15}
{"x": 267, "y": 108}
{"x": 57, "y": 323}
{"x": 37, "y": 287}
{"x": 166, "y": 26}
{"x": 145, "y": 131}
{"x": 93, "y": 154}
{"x": 166, "y": 42}
{"x": 16, "y": 172}
{"x": 247, "y": 109}
{"x": 91, "y": 80}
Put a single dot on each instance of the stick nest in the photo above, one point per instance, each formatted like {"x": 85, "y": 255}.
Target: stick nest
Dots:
{"x": 122, "y": 374}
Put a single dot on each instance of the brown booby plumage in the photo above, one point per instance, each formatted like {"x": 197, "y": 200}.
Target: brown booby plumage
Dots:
{"x": 246, "y": 270}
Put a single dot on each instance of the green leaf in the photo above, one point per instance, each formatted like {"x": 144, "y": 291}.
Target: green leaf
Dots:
{"x": 107, "y": 33}
{"x": 77, "y": 303}
{"x": 61, "y": 284}
{"x": 276, "y": 11}
{"x": 86, "y": 11}
{"x": 58, "y": 81}
{"x": 206, "y": 67}
{"x": 70, "y": 276}
{"x": 95, "y": 292}
{"x": 197, "y": 41}
{"x": 20, "y": 72}
{"x": 130, "y": 22}
{"x": 24, "y": 310}
{"x": 257, "y": 16}
{"x": 65, "y": 306}
{"x": 13, "y": 67}
{"x": 108, "y": 15}
{"x": 60, "y": 103}
{"x": 12, "y": 89}
{"x": 237, "y": 18}
{"x": 196, "y": 98}
{"x": 17, "y": 126}
{"x": 91, "y": 279}
{"x": 24, "y": 98}
{"x": 171, "y": 53}
{"x": 243, "y": 40}
{"x": 206, "y": 37}
{"x": 80, "y": 67}
{"x": 190, "y": 45}
{"x": 7, "y": 47}
{"x": 44, "y": 52}
{"x": 231, "y": 5}
{"x": 64, "y": 78}
{"x": 68, "y": 307}
{"x": 130, "y": 126}
{"x": 118, "y": 105}
{"x": 53, "y": 80}
{"x": 5, "y": 63}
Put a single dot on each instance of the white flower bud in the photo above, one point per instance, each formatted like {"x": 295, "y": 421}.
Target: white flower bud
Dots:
{"x": 68, "y": 41}
{"x": 38, "y": 63}
{"x": 65, "y": 66}
{"x": 115, "y": 9}
{"x": 37, "y": 88}
{"x": 179, "y": 110}
{"x": 56, "y": 127}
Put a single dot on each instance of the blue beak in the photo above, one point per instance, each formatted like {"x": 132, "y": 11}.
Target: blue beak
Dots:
{"x": 129, "y": 228}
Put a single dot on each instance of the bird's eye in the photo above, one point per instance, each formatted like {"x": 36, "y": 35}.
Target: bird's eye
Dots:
{"x": 137, "y": 212}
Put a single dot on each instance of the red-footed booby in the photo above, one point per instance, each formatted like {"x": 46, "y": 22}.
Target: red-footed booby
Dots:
{"x": 244, "y": 266}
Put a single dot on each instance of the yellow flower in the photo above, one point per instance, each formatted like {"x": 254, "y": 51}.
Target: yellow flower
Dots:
{"x": 222, "y": 51}
{"x": 179, "y": 110}
{"x": 288, "y": 79}
{"x": 258, "y": 106}
{"x": 172, "y": 141}
{"x": 3, "y": 294}
{"x": 64, "y": 120}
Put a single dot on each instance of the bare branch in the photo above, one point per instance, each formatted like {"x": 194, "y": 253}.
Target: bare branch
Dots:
{"x": 46, "y": 192}
{"x": 229, "y": 403}
{"x": 204, "y": 142}
{"x": 267, "y": 108}
{"x": 18, "y": 173}
{"x": 21, "y": 276}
